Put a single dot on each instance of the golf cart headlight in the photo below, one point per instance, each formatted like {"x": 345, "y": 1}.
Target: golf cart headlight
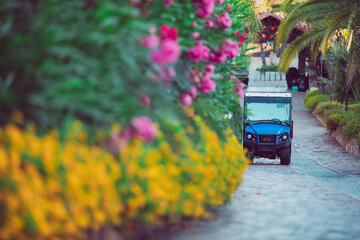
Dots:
{"x": 283, "y": 138}
{"x": 250, "y": 137}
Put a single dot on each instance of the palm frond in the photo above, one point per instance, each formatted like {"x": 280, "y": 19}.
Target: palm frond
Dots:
{"x": 302, "y": 13}
{"x": 315, "y": 50}
{"x": 298, "y": 44}
{"x": 335, "y": 21}
{"x": 286, "y": 4}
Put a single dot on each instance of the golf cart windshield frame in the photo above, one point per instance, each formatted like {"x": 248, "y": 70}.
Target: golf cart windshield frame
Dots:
{"x": 273, "y": 100}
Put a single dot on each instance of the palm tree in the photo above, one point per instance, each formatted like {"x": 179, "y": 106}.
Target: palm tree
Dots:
{"x": 326, "y": 17}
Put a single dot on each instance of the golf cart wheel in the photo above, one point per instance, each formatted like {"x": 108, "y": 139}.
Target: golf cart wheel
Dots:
{"x": 250, "y": 155}
{"x": 251, "y": 158}
{"x": 285, "y": 156}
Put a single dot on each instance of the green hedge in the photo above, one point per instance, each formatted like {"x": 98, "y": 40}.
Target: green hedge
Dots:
{"x": 311, "y": 94}
{"x": 334, "y": 114}
{"x": 268, "y": 68}
{"x": 312, "y": 102}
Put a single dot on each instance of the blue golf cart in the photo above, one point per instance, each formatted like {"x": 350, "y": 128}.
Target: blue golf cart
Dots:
{"x": 268, "y": 125}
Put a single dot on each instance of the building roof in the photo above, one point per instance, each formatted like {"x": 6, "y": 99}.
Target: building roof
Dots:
{"x": 280, "y": 17}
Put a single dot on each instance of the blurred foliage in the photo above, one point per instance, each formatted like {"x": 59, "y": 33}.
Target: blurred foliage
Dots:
{"x": 82, "y": 63}
{"x": 339, "y": 54}
{"x": 82, "y": 60}
{"x": 53, "y": 187}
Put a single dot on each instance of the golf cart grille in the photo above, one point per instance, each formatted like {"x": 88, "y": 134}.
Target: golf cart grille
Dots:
{"x": 267, "y": 138}
{"x": 266, "y": 148}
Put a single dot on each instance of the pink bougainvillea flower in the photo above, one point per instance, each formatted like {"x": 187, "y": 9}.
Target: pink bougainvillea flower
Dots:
{"x": 242, "y": 40}
{"x": 204, "y": 8}
{"x": 168, "y": 33}
{"x": 118, "y": 140}
{"x": 134, "y": 3}
{"x": 223, "y": 20}
{"x": 169, "y": 52}
{"x": 152, "y": 30}
{"x": 185, "y": 99}
{"x": 237, "y": 33}
{"x": 199, "y": 52}
{"x": 209, "y": 24}
{"x": 194, "y": 76}
{"x": 239, "y": 89}
{"x": 193, "y": 91}
{"x": 194, "y": 23}
{"x": 229, "y": 9}
{"x": 168, "y": 3}
{"x": 210, "y": 68}
{"x": 150, "y": 41}
{"x": 220, "y": 76}
{"x": 195, "y": 35}
{"x": 230, "y": 47}
{"x": 217, "y": 56}
{"x": 244, "y": 35}
{"x": 145, "y": 100}
{"x": 166, "y": 75}
{"x": 144, "y": 128}
{"x": 207, "y": 84}
{"x": 206, "y": 11}
{"x": 127, "y": 134}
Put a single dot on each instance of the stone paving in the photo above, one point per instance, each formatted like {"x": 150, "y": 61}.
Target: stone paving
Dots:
{"x": 280, "y": 202}
{"x": 316, "y": 197}
{"x": 317, "y": 144}
{"x": 313, "y": 141}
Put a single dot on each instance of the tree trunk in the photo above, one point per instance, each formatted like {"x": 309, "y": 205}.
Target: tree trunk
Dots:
{"x": 262, "y": 54}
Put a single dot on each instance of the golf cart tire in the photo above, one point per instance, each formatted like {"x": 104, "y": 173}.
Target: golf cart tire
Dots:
{"x": 285, "y": 156}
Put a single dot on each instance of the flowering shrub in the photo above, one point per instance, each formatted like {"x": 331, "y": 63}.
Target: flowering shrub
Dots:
{"x": 131, "y": 62}
{"x": 328, "y": 108}
{"x": 312, "y": 102}
{"x": 351, "y": 123}
{"x": 114, "y": 58}
{"x": 52, "y": 186}
{"x": 311, "y": 94}
{"x": 331, "y": 112}
{"x": 334, "y": 114}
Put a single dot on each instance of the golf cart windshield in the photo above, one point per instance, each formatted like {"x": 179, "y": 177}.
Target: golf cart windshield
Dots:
{"x": 268, "y": 108}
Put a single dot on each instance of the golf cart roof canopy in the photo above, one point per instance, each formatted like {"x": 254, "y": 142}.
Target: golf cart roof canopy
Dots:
{"x": 252, "y": 94}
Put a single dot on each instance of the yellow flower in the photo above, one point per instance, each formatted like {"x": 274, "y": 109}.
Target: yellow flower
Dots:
{"x": 4, "y": 161}
{"x": 15, "y": 136}
{"x": 116, "y": 128}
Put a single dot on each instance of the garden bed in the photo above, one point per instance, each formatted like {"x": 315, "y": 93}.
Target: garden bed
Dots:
{"x": 60, "y": 185}
{"x": 343, "y": 125}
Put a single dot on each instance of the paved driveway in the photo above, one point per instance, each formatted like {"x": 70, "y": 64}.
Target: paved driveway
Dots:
{"x": 316, "y": 197}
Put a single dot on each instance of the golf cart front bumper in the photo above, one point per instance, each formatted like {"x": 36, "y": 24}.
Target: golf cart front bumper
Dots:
{"x": 266, "y": 150}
